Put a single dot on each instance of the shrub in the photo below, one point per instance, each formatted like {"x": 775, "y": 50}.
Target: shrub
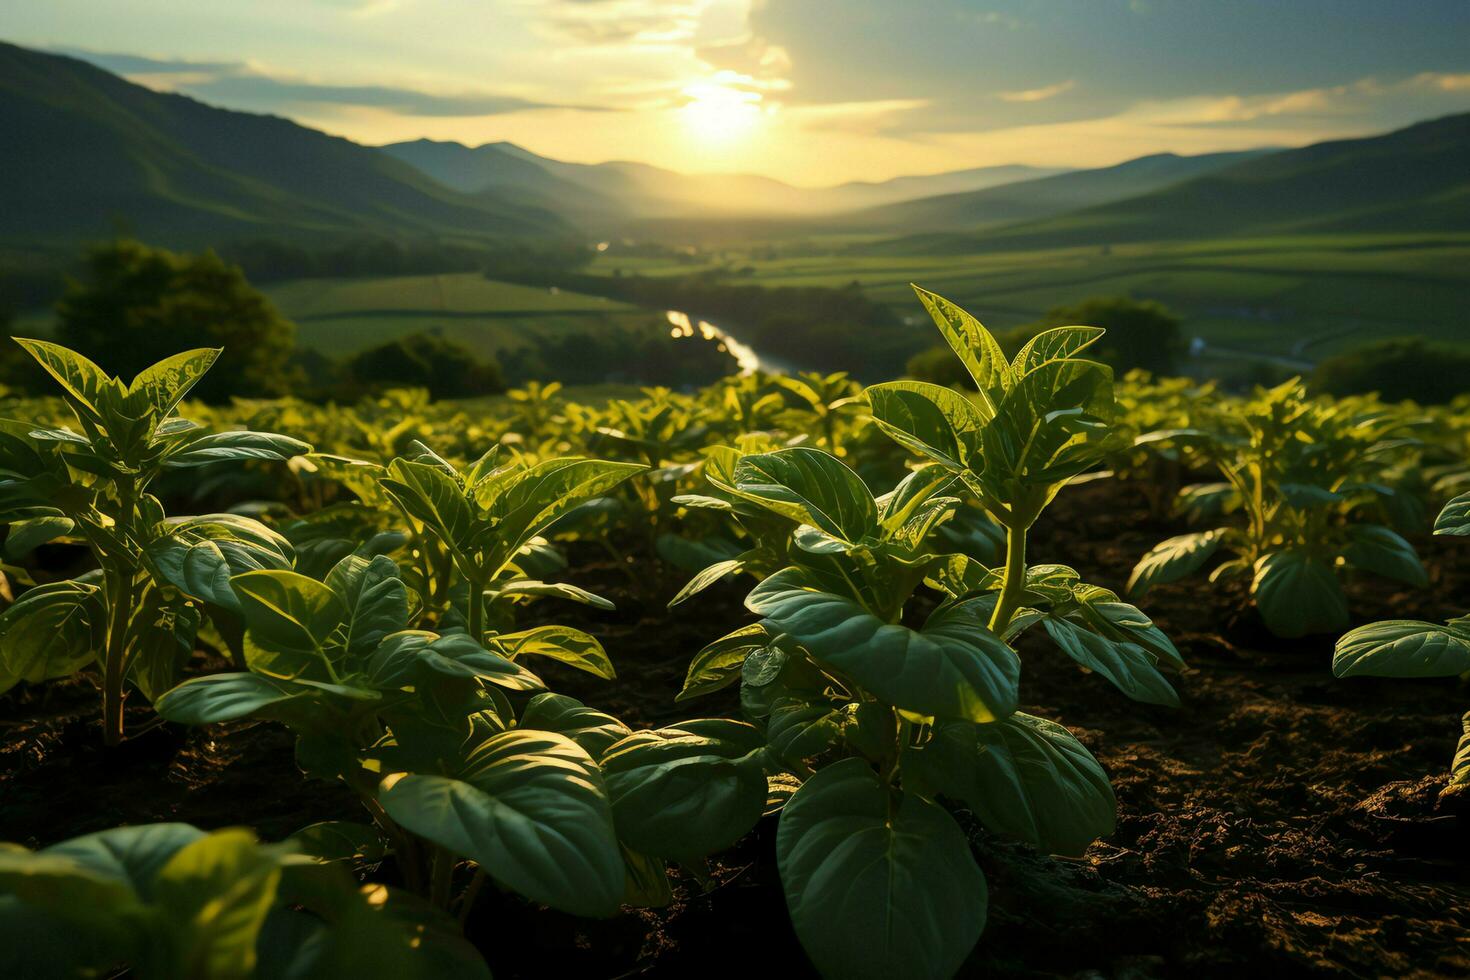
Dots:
{"x": 448, "y": 369}
{"x": 1397, "y": 368}
{"x": 137, "y": 305}
{"x": 1140, "y": 334}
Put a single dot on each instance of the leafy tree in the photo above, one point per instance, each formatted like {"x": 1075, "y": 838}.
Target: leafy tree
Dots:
{"x": 1397, "y": 368}
{"x": 427, "y": 360}
{"x": 136, "y": 305}
{"x": 1140, "y": 333}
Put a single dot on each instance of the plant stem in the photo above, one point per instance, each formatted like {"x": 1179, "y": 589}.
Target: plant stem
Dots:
{"x": 476, "y": 622}
{"x": 119, "y": 594}
{"x": 467, "y": 900}
{"x": 442, "y": 878}
{"x": 1015, "y": 579}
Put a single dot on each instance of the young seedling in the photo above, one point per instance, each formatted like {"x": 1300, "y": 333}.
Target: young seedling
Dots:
{"x": 1411, "y": 648}
{"x": 1309, "y": 479}
{"x": 136, "y": 616}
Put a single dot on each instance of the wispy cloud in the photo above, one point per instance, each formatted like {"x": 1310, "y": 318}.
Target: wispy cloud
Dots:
{"x": 1038, "y": 94}
{"x": 249, "y": 84}
{"x": 1365, "y": 98}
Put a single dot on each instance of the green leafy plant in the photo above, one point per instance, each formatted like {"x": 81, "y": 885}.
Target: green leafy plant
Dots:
{"x": 137, "y": 614}
{"x": 418, "y": 723}
{"x": 828, "y": 398}
{"x": 172, "y": 902}
{"x": 1412, "y": 648}
{"x": 881, "y": 720}
{"x": 1309, "y": 478}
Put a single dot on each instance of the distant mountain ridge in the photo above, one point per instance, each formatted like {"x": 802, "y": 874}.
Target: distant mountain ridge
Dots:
{"x": 1413, "y": 180}
{"x": 86, "y": 152}
{"x": 625, "y": 189}
{"x": 1044, "y": 196}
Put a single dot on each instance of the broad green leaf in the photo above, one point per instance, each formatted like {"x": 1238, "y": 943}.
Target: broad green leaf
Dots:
{"x": 432, "y": 496}
{"x": 219, "y": 889}
{"x": 974, "y": 345}
{"x": 222, "y": 446}
{"x": 557, "y": 590}
{"x": 1298, "y": 594}
{"x": 398, "y": 661}
{"x": 718, "y": 665}
{"x": 877, "y": 887}
{"x": 707, "y": 577}
{"x": 97, "y": 879}
{"x": 1403, "y": 648}
{"x": 1025, "y": 776}
{"x": 291, "y": 619}
{"x": 1173, "y": 559}
{"x": 168, "y": 381}
{"x": 1122, "y": 621}
{"x": 199, "y": 555}
{"x": 594, "y": 730}
{"x": 680, "y": 795}
{"x": 548, "y": 491}
{"x": 27, "y": 535}
{"x": 161, "y": 641}
{"x": 1054, "y": 344}
{"x": 928, "y": 420}
{"x": 1130, "y": 667}
{"x": 954, "y": 667}
{"x": 810, "y": 487}
{"x": 224, "y": 697}
{"x": 375, "y": 598}
{"x": 1382, "y": 551}
{"x": 51, "y": 631}
{"x": 528, "y": 807}
{"x": 1455, "y": 518}
{"x": 84, "y": 381}
{"x": 570, "y": 646}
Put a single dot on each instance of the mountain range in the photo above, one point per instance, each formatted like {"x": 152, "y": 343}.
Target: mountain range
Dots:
{"x": 88, "y": 154}
{"x": 624, "y": 189}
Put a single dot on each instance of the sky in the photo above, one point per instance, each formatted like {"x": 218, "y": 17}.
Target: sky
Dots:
{"x": 814, "y": 92}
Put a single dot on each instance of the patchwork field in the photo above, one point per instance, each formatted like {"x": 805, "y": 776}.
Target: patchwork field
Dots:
{"x": 1300, "y": 297}
{"x": 342, "y": 316}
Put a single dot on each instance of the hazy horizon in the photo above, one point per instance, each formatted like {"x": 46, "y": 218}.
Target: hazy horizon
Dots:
{"x": 814, "y": 93}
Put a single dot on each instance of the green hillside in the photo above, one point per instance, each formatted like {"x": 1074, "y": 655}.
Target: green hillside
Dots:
{"x": 1413, "y": 180}
{"x": 1046, "y": 196}
{"x": 86, "y": 152}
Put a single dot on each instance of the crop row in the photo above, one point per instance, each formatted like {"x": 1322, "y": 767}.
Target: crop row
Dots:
{"x": 366, "y": 580}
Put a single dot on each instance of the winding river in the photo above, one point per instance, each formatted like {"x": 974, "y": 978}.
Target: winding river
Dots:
{"x": 682, "y": 325}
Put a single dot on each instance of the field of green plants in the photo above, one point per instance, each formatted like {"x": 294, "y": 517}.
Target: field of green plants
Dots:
{"x": 1064, "y": 674}
{"x": 1302, "y": 296}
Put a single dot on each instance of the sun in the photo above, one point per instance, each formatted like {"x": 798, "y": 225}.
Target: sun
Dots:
{"x": 717, "y": 113}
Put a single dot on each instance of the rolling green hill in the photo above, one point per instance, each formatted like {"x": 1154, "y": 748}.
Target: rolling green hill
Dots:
{"x": 1027, "y": 200}
{"x": 1412, "y": 180}
{"x": 86, "y": 153}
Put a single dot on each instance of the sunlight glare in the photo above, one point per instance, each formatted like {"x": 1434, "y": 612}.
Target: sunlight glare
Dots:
{"x": 719, "y": 113}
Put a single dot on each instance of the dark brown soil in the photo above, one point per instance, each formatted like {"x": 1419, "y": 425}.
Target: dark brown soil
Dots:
{"x": 1279, "y": 823}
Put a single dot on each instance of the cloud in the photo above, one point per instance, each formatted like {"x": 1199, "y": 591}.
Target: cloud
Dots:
{"x": 1426, "y": 93}
{"x": 1039, "y": 94}
{"x": 240, "y": 83}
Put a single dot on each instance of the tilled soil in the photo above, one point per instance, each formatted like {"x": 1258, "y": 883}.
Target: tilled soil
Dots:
{"x": 1279, "y": 823}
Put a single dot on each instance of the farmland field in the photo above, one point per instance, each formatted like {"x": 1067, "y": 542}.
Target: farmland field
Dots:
{"x": 1307, "y": 296}
{"x": 342, "y": 316}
